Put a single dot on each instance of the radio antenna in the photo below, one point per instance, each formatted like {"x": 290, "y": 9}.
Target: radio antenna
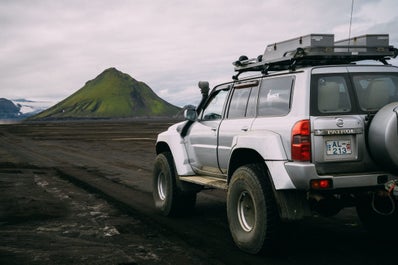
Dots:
{"x": 349, "y": 31}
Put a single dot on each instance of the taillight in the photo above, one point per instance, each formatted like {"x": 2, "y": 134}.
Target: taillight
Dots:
{"x": 301, "y": 141}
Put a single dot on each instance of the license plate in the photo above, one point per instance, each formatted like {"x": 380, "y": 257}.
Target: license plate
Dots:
{"x": 338, "y": 147}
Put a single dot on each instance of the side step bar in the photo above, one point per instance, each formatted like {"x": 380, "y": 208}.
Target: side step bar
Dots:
{"x": 206, "y": 181}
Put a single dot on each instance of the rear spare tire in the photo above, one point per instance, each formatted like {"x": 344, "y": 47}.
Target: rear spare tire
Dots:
{"x": 383, "y": 137}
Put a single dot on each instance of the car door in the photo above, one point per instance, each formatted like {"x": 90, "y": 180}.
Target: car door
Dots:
{"x": 201, "y": 140}
{"x": 238, "y": 119}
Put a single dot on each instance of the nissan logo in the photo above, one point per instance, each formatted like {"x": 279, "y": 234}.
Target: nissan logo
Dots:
{"x": 340, "y": 122}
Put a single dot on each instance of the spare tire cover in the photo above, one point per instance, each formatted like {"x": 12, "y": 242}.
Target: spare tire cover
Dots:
{"x": 383, "y": 137}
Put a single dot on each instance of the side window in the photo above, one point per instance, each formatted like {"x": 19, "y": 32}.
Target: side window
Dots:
{"x": 274, "y": 98}
{"x": 252, "y": 104}
{"x": 243, "y": 101}
{"x": 333, "y": 96}
{"x": 237, "y": 107}
{"x": 242, "y": 104}
{"x": 214, "y": 108}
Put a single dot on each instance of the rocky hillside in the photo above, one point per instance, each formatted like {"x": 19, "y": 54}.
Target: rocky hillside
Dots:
{"x": 112, "y": 94}
{"x": 8, "y": 110}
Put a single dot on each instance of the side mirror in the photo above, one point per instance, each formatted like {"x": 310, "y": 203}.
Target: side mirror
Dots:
{"x": 190, "y": 114}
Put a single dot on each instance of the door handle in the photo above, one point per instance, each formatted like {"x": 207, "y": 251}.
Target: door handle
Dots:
{"x": 245, "y": 129}
{"x": 213, "y": 129}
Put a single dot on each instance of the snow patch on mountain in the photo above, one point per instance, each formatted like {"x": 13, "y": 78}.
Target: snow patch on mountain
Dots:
{"x": 30, "y": 107}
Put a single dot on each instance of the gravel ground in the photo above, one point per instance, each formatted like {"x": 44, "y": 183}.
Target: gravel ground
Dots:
{"x": 45, "y": 219}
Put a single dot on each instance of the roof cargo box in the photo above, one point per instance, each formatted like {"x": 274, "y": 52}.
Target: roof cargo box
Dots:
{"x": 369, "y": 40}
{"x": 278, "y": 50}
{"x": 364, "y": 43}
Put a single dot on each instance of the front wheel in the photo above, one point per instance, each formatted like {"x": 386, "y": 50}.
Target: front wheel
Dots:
{"x": 168, "y": 197}
{"x": 251, "y": 209}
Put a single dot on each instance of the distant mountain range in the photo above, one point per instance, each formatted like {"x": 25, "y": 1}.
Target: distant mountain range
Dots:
{"x": 112, "y": 94}
{"x": 18, "y": 109}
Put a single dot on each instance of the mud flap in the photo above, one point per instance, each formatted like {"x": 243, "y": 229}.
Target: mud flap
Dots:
{"x": 292, "y": 204}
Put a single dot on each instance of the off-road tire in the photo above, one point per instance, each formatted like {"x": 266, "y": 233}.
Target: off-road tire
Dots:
{"x": 168, "y": 198}
{"x": 252, "y": 213}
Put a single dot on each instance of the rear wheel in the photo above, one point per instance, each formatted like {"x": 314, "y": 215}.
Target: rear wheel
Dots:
{"x": 251, "y": 209}
{"x": 168, "y": 197}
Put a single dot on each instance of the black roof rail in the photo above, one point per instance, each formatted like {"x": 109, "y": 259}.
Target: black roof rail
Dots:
{"x": 318, "y": 49}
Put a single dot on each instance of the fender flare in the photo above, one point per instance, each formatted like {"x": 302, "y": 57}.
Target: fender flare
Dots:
{"x": 172, "y": 139}
{"x": 271, "y": 147}
{"x": 268, "y": 145}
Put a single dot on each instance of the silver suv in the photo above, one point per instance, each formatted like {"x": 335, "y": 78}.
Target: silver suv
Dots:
{"x": 311, "y": 131}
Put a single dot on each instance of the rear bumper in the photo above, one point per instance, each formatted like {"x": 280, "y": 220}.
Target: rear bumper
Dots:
{"x": 302, "y": 173}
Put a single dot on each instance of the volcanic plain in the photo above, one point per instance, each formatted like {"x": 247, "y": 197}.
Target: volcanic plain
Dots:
{"x": 79, "y": 192}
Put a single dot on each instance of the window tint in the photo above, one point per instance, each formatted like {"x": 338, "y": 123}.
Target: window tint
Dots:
{"x": 375, "y": 90}
{"x": 214, "y": 108}
{"x": 252, "y": 104}
{"x": 237, "y": 107}
{"x": 333, "y": 94}
{"x": 274, "y": 98}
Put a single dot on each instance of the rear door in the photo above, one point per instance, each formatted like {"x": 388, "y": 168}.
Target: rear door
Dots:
{"x": 342, "y": 106}
{"x": 238, "y": 118}
{"x": 338, "y": 140}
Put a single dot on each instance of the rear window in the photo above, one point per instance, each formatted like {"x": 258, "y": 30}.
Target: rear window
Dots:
{"x": 333, "y": 96}
{"x": 352, "y": 93}
{"x": 375, "y": 90}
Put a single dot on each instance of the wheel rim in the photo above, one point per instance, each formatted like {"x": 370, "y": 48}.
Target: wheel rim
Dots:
{"x": 162, "y": 186}
{"x": 246, "y": 211}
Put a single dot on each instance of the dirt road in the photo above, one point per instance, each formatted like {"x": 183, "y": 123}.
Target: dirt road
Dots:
{"x": 80, "y": 193}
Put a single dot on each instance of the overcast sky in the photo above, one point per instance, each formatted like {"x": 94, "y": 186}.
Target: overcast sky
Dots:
{"x": 50, "y": 48}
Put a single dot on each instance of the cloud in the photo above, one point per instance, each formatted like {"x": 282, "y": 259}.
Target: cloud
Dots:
{"x": 49, "y": 49}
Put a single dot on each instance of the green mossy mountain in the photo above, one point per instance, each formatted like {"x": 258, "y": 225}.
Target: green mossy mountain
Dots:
{"x": 112, "y": 94}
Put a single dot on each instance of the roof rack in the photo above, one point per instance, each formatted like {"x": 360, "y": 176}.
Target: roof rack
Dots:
{"x": 317, "y": 49}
